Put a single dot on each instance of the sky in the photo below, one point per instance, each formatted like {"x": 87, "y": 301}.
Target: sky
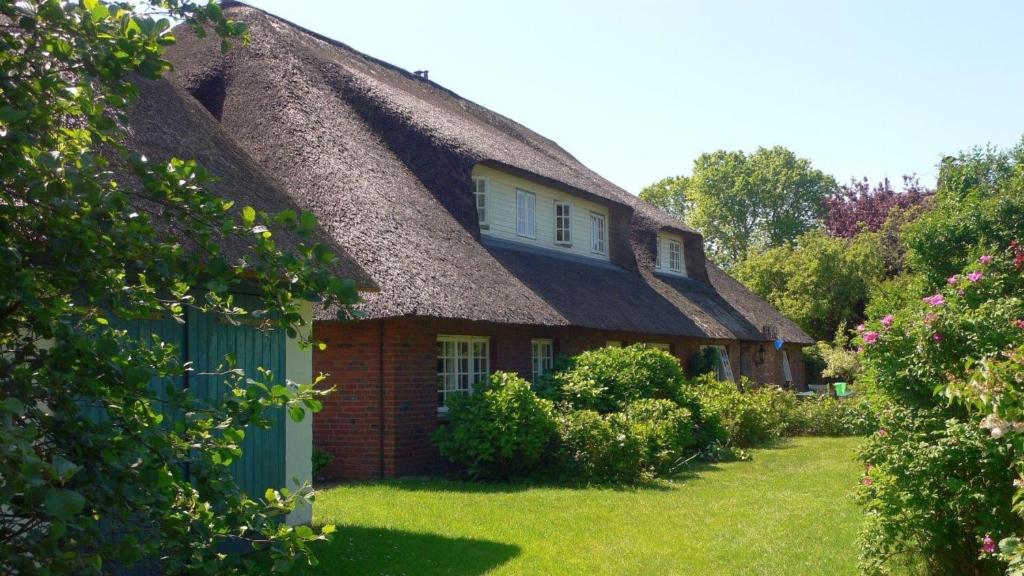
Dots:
{"x": 638, "y": 89}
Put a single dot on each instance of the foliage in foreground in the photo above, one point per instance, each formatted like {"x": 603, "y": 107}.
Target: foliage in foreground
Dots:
{"x": 939, "y": 488}
{"x": 100, "y": 469}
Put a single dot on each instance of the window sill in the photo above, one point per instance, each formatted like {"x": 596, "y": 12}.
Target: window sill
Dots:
{"x": 485, "y": 226}
{"x": 563, "y": 244}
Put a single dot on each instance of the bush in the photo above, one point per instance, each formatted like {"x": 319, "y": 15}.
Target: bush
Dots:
{"x": 608, "y": 379}
{"x": 321, "y": 460}
{"x": 596, "y": 448}
{"x": 501, "y": 431}
{"x": 751, "y": 418}
{"x": 827, "y": 416}
{"x": 664, "y": 430}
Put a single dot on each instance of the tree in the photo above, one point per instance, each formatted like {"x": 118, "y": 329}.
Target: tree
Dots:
{"x": 978, "y": 207}
{"x": 858, "y": 207}
{"x": 669, "y": 194}
{"x": 741, "y": 202}
{"x": 819, "y": 282}
{"x": 80, "y": 249}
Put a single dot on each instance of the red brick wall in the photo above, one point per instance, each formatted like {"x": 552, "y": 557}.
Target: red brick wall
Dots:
{"x": 404, "y": 381}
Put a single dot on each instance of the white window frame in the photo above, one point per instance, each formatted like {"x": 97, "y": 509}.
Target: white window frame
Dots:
{"x": 563, "y": 234}
{"x": 598, "y": 233}
{"x": 526, "y": 214}
{"x": 462, "y": 363}
{"x": 675, "y": 256}
{"x": 542, "y": 356}
{"x": 480, "y": 196}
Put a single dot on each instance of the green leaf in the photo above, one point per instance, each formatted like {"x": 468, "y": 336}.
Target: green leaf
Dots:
{"x": 304, "y": 532}
{"x": 297, "y": 413}
{"x": 249, "y": 215}
{"x": 63, "y": 504}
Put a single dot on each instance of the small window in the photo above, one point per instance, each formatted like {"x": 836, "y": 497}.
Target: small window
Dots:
{"x": 480, "y": 190}
{"x": 543, "y": 357}
{"x": 597, "y": 233}
{"x": 675, "y": 256}
{"x": 660, "y": 346}
{"x": 462, "y": 363}
{"x": 526, "y": 213}
{"x": 563, "y": 223}
{"x": 613, "y": 344}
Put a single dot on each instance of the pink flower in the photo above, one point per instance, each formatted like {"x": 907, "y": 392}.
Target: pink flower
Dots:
{"x": 867, "y": 481}
{"x": 861, "y": 327}
{"x": 936, "y": 337}
{"x": 975, "y": 276}
{"x": 887, "y": 321}
{"x": 883, "y": 432}
{"x": 1020, "y": 323}
{"x": 952, "y": 280}
{"x": 870, "y": 337}
{"x": 986, "y": 259}
{"x": 988, "y": 545}
{"x": 934, "y": 300}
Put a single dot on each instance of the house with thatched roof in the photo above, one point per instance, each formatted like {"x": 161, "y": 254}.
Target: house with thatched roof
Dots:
{"x": 492, "y": 247}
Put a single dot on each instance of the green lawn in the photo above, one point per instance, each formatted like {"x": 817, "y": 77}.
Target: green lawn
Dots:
{"x": 787, "y": 512}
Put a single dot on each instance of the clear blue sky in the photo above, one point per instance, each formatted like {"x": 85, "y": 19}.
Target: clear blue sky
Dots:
{"x": 637, "y": 89}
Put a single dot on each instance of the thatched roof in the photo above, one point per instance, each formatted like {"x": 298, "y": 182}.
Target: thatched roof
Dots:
{"x": 166, "y": 122}
{"x": 384, "y": 158}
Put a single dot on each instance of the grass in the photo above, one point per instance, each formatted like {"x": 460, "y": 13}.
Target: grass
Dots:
{"x": 789, "y": 511}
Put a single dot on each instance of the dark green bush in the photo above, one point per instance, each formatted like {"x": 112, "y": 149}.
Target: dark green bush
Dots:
{"x": 502, "y": 430}
{"x": 608, "y": 379}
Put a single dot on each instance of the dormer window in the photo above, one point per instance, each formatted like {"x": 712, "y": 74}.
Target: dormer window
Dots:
{"x": 526, "y": 213}
{"x": 563, "y": 223}
{"x": 480, "y": 191}
{"x": 670, "y": 255}
{"x": 598, "y": 233}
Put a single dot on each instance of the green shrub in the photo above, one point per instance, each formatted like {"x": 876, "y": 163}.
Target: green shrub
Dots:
{"x": 665, "y": 431}
{"x": 827, "y": 416}
{"x": 596, "y": 448}
{"x": 751, "y": 418}
{"x": 321, "y": 460}
{"x": 501, "y": 431}
{"x": 608, "y": 379}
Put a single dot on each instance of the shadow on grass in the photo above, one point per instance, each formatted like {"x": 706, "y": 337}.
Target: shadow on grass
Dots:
{"x": 364, "y": 550}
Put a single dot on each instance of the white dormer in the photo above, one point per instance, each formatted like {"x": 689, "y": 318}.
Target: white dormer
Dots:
{"x": 515, "y": 209}
{"x": 670, "y": 259}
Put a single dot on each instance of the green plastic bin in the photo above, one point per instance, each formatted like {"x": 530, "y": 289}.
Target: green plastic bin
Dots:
{"x": 840, "y": 388}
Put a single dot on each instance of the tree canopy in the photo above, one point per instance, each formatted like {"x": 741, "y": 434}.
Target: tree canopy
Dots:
{"x": 80, "y": 250}
{"x": 742, "y": 202}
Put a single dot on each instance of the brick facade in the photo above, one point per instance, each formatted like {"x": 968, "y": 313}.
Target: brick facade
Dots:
{"x": 379, "y": 419}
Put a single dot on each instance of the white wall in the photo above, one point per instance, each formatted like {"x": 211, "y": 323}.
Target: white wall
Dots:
{"x": 501, "y": 213}
{"x": 298, "y": 451}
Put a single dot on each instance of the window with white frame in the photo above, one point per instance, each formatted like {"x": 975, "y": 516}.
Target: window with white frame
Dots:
{"x": 462, "y": 363}
{"x": 598, "y": 232}
{"x": 480, "y": 191}
{"x": 675, "y": 256}
{"x": 660, "y": 346}
{"x": 724, "y": 366}
{"x": 614, "y": 343}
{"x": 543, "y": 355}
{"x": 787, "y": 371}
{"x": 563, "y": 223}
{"x": 526, "y": 213}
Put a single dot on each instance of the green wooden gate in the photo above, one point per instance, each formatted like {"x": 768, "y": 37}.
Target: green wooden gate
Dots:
{"x": 205, "y": 340}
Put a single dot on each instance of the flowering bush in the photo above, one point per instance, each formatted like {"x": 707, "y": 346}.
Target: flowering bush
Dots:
{"x": 939, "y": 475}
